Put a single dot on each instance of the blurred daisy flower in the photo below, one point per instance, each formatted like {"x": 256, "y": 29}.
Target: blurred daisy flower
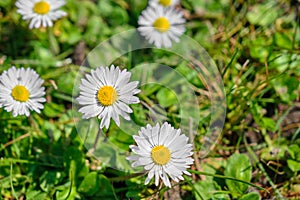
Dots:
{"x": 160, "y": 25}
{"x": 163, "y": 152}
{"x": 165, "y": 3}
{"x": 40, "y": 12}
{"x": 21, "y": 91}
{"x": 106, "y": 93}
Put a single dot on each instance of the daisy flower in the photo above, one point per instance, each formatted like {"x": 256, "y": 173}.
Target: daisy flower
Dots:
{"x": 21, "y": 91}
{"x": 160, "y": 25}
{"x": 165, "y": 3}
{"x": 40, "y": 12}
{"x": 106, "y": 93}
{"x": 162, "y": 151}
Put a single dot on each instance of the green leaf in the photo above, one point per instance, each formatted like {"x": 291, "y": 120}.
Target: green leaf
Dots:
{"x": 203, "y": 190}
{"x": 90, "y": 184}
{"x": 238, "y": 166}
{"x": 208, "y": 189}
{"x": 262, "y": 14}
{"x": 66, "y": 191}
{"x": 96, "y": 185}
{"x": 250, "y": 196}
{"x": 34, "y": 194}
{"x": 283, "y": 40}
{"x": 48, "y": 179}
{"x": 74, "y": 162}
{"x": 259, "y": 52}
{"x": 293, "y": 165}
{"x": 150, "y": 88}
{"x": 294, "y": 151}
{"x": 286, "y": 86}
{"x": 268, "y": 123}
{"x": 166, "y": 97}
{"x": 53, "y": 109}
{"x": 294, "y": 162}
{"x": 65, "y": 83}
{"x": 105, "y": 188}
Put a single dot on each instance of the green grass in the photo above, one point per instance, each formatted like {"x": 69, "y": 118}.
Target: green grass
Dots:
{"x": 255, "y": 46}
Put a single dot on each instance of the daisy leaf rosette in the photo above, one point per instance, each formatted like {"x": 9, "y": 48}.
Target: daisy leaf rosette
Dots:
{"x": 107, "y": 93}
{"x": 163, "y": 152}
{"x": 161, "y": 25}
{"x": 21, "y": 91}
{"x": 40, "y": 12}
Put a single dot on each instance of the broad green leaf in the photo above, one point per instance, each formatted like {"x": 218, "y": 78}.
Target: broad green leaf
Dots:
{"x": 293, "y": 165}
{"x": 294, "y": 151}
{"x": 105, "y": 188}
{"x": 208, "y": 189}
{"x": 66, "y": 82}
{"x": 268, "y": 123}
{"x": 65, "y": 191}
{"x": 166, "y": 97}
{"x": 262, "y": 14}
{"x": 48, "y": 179}
{"x": 74, "y": 162}
{"x": 294, "y": 162}
{"x": 34, "y": 194}
{"x": 259, "y": 52}
{"x": 250, "y": 196}
{"x": 238, "y": 166}
{"x": 53, "y": 109}
{"x": 283, "y": 40}
{"x": 204, "y": 190}
{"x": 286, "y": 86}
{"x": 90, "y": 184}
{"x": 150, "y": 88}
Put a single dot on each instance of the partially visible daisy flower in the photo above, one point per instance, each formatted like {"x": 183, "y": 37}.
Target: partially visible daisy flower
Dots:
{"x": 21, "y": 91}
{"x": 160, "y": 25}
{"x": 163, "y": 152}
{"x": 40, "y": 12}
{"x": 106, "y": 93}
{"x": 165, "y": 3}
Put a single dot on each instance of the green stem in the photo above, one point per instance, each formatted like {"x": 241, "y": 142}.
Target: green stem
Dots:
{"x": 8, "y": 161}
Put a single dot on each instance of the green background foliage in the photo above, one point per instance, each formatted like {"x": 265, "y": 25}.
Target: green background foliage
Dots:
{"x": 255, "y": 45}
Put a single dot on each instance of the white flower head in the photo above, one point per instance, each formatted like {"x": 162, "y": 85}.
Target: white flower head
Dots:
{"x": 40, "y": 12}
{"x": 165, "y": 3}
{"x": 21, "y": 91}
{"x": 106, "y": 93}
{"x": 160, "y": 25}
{"x": 163, "y": 152}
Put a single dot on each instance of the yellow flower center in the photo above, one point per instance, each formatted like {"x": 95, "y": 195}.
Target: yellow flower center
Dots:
{"x": 165, "y": 2}
{"x": 161, "y": 24}
{"x": 161, "y": 155}
{"x": 20, "y": 93}
{"x": 107, "y": 95}
{"x": 41, "y": 7}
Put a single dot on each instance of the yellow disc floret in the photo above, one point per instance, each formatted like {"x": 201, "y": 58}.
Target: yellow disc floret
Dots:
{"x": 161, "y": 24}
{"x": 20, "y": 93}
{"x": 165, "y": 2}
{"x": 107, "y": 95}
{"x": 41, "y": 7}
{"x": 160, "y": 155}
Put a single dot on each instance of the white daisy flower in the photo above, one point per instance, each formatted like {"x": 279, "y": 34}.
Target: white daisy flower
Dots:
{"x": 40, "y": 12}
{"x": 160, "y": 25}
{"x": 106, "y": 93}
{"x": 21, "y": 91}
{"x": 165, "y": 3}
{"x": 162, "y": 151}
